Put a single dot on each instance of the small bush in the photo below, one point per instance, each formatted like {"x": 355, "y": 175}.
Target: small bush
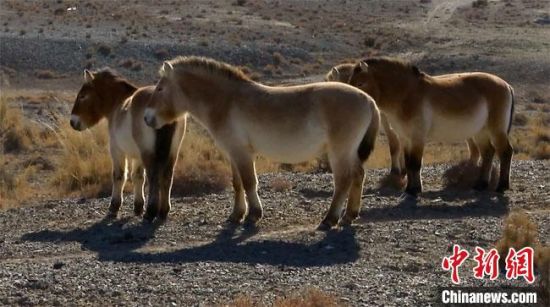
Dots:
{"x": 308, "y": 298}
{"x": 480, "y": 4}
{"x": 104, "y": 50}
{"x": 280, "y": 184}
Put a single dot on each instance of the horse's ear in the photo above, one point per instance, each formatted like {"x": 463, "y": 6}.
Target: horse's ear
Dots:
{"x": 364, "y": 66}
{"x": 334, "y": 71}
{"x": 167, "y": 66}
{"x": 88, "y": 76}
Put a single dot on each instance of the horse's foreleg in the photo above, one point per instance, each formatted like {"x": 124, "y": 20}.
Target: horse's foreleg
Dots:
{"x": 505, "y": 151}
{"x": 239, "y": 204}
{"x": 487, "y": 153}
{"x": 138, "y": 180}
{"x": 474, "y": 151}
{"x": 119, "y": 178}
{"x": 152, "y": 172}
{"x": 354, "y": 199}
{"x": 413, "y": 162}
{"x": 165, "y": 186}
{"x": 395, "y": 148}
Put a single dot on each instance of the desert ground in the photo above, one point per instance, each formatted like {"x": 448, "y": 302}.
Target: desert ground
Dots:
{"x": 56, "y": 247}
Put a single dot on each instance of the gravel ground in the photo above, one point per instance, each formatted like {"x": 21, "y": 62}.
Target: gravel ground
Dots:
{"x": 65, "y": 253}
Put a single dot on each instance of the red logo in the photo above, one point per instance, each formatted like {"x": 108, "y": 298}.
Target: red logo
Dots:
{"x": 520, "y": 264}
{"x": 487, "y": 263}
{"x": 454, "y": 262}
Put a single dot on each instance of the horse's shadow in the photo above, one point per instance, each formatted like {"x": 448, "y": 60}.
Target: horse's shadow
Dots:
{"x": 231, "y": 245}
{"x": 478, "y": 204}
{"x": 102, "y": 235}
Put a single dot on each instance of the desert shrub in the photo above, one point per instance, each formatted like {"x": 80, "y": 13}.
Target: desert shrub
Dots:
{"x": 280, "y": 184}
{"x": 104, "y": 50}
{"x": 480, "y": 3}
{"x": 519, "y": 232}
{"x": 201, "y": 167}
{"x": 464, "y": 175}
{"x": 46, "y": 74}
{"x": 84, "y": 165}
{"x": 520, "y": 119}
{"x": 16, "y": 133}
{"x": 131, "y": 64}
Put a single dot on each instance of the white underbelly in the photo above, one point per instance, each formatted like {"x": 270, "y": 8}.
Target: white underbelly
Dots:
{"x": 282, "y": 145}
{"x": 452, "y": 129}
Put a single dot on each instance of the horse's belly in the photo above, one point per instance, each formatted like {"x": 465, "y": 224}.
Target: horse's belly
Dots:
{"x": 296, "y": 147}
{"x": 451, "y": 128}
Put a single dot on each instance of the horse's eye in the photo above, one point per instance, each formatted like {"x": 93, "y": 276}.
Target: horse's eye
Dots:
{"x": 159, "y": 89}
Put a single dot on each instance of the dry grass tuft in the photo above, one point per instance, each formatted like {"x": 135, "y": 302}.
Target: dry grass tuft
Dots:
{"x": 308, "y": 298}
{"x": 393, "y": 182}
{"x": 464, "y": 175}
{"x": 280, "y": 184}
{"x": 519, "y": 232}
{"x": 14, "y": 185}
{"x": 84, "y": 165}
{"x": 201, "y": 168}
{"x": 16, "y": 133}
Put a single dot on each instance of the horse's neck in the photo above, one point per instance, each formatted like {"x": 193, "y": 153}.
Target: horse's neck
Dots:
{"x": 116, "y": 103}
{"x": 210, "y": 104}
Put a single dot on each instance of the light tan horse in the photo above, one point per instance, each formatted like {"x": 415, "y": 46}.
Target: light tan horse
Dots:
{"x": 342, "y": 73}
{"x": 287, "y": 124}
{"x": 105, "y": 94}
{"x": 451, "y": 107}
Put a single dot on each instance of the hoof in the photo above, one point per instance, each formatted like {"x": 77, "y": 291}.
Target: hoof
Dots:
{"x": 162, "y": 215}
{"x": 324, "y": 227}
{"x": 481, "y": 186}
{"x": 253, "y": 217}
{"x": 148, "y": 218}
{"x": 111, "y": 215}
{"x": 413, "y": 192}
{"x": 138, "y": 209}
{"x": 501, "y": 188}
{"x": 346, "y": 221}
{"x": 235, "y": 218}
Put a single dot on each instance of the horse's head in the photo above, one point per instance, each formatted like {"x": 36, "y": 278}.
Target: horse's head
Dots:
{"x": 167, "y": 102}
{"x": 363, "y": 78}
{"x": 86, "y": 112}
{"x": 340, "y": 73}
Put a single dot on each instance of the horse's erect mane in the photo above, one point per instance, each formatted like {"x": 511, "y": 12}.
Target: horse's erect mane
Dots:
{"x": 394, "y": 63}
{"x": 109, "y": 74}
{"x": 209, "y": 66}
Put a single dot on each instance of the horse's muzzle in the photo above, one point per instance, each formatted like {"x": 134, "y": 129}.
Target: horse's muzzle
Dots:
{"x": 150, "y": 119}
{"x": 75, "y": 123}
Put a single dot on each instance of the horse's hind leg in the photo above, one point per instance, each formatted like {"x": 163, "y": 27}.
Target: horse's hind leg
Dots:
{"x": 396, "y": 153}
{"x": 341, "y": 172}
{"x": 474, "y": 151}
{"x": 239, "y": 204}
{"x": 487, "y": 153}
{"x": 138, "y": 180}
{"x": 119, "y": 178}
{"x": 504, "y": 151}
{"x": 354, "y": 199}
{"x": 244, "y": 163}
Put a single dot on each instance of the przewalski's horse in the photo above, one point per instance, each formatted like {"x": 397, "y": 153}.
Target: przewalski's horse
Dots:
{"x": 342, "y": 73}
{"x": 451, "y": 107}
{"x": 287, "y": 124}
{"x": 105, "y": 94}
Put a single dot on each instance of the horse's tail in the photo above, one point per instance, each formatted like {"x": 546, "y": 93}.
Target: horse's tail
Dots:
{"x": 511, "y": 108}
{"x": 367, "y": 143}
